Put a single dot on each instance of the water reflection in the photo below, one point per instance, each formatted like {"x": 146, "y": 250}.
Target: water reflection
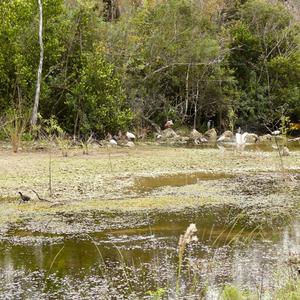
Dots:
{"x": 147, "y": 184}
{"x": 245, "y": 256}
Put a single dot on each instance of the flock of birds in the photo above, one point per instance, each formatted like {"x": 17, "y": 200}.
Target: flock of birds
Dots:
{"x": 129, "y": 136}
{"x": 240, "y": 139}
{"x": 113, "y": 140}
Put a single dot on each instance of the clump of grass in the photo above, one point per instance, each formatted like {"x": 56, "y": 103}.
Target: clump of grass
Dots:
{"x": 85, "y": 144}
{"x": 185, "y": 239}
{"x": 291, "y": 291}
{"x": 15, "y": 126}
{"x": 232, "y": 293}
{"x": 63, "y": 143}
{"x": 156, "y": 295}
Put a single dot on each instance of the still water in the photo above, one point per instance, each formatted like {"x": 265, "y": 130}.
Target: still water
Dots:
{"x": 137, "y": 258}
{"x": 128, "y": 263}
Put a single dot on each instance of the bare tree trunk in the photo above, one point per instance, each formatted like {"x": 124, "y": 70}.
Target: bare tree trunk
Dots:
{"x": 196, "y": 105}
{"x": 186, "y": 92}
{"x": 39, "y": 74}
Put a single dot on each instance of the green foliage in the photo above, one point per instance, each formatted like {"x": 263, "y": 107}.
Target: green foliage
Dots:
{"x": 232, "y": 293}
{"x": 14, "y": 126}
{"x": 173, "y": 61}
{"x": 266, "y": 61}
{"x": 234, "y": 62}
{"x": 291, "y": 291}
{"x": 99, "y": 98}
{"x": 157, "y": 295}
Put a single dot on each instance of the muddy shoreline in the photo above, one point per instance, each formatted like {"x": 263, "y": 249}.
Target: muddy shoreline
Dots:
{"x": 144, "y": 179}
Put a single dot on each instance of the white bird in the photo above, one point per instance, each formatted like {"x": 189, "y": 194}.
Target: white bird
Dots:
{"x": 221, "y": 138}
{"x": 241, "y": 138}
{"x": 113, "y": 142}
{"x": 276, "y": 132}
{"x": 169, "y": 124}
{"x": 130, "y": 136}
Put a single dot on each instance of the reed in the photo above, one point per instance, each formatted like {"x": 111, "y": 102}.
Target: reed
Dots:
{"x": 185, "y": 239}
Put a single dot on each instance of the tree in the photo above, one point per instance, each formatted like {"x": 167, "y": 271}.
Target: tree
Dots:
{"x": 98, "y": 100}
{"x": 39, "y": 73}
{"x": 174, "y": 61}
{"x": 265, "y": 58}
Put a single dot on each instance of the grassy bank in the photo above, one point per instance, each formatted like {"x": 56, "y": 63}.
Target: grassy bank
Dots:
{"x": 105, "y": 180}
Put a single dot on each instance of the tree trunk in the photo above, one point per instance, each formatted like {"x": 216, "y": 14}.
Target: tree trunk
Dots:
{"x": 186, "y": 93}
{"x": 196, "y": 105}
{"x": 39, "y": 74}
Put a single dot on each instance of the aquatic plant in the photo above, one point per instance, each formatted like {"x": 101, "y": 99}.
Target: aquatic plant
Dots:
{"x": 156, "y": 295}
{"x": 188, "y": 237}
{"x": 232, "y": 293}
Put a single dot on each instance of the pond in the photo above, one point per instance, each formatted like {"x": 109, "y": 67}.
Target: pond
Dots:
{"x": 94, "y": 254}
{"x": 128, "y": 263}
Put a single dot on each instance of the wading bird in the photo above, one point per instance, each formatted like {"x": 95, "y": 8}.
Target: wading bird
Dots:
{"x": 24, "y": 198}
{"x": 113, "y": 142}
{"x": 240, "y": 138}
{"x": 130, "y": 136}
{"x": 221, "y": 138}
{"x": 276, "y": 132}
{"x": 169, "y": 124}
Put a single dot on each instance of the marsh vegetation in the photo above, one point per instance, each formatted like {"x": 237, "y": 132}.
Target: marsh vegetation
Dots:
{"x": 154, "y": 146}
{"x": 113, "y": 225}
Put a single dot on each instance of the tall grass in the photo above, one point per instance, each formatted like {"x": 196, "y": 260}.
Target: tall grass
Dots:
{"x": 15, "y": 126}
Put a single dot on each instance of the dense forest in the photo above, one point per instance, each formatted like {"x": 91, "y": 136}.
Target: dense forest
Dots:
{"x": 116, "y": 65}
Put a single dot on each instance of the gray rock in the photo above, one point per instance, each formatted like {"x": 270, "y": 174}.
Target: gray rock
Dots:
{"x": 265, "y": 138}
{"x": 195, "y": 134}
{"x": 295, "y": 139}
{"x": 211, "y": 134}
{"x": 251, "y": 138}
{"x": 168, "y": 133}
{"x": 129, "y": 144}
{"x": 226, "y": 136}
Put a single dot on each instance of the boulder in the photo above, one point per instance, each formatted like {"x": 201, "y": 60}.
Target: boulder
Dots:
{"x": 200, "y": 141}
{"x": 168, "y": 133}
{"x": 265, "y": 138}
{"x": 211, "y": 134}
{"x": 129, "y": 144}
{"x": 251, "y": 138}
{"x": 226, "y": 136}
{"x": 295, "y": 139}
{"x": 195, "y": 134}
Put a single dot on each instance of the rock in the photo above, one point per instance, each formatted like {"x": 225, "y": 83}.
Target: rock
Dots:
{"x": 168, "y": 133}
{"x": 295, "y": 139}
{"x": 251, "y": 138}
{"x": 211, "y": 134}
{"x": 265, "y": 138}
{"x": 195, "y": 134}
{"x": 129, "y": 144}
{"x": 226, "y": 136}
{"x": 183, "y": 138}
{"x": 200, "y": 141}
{"x": 157, "y": 135}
